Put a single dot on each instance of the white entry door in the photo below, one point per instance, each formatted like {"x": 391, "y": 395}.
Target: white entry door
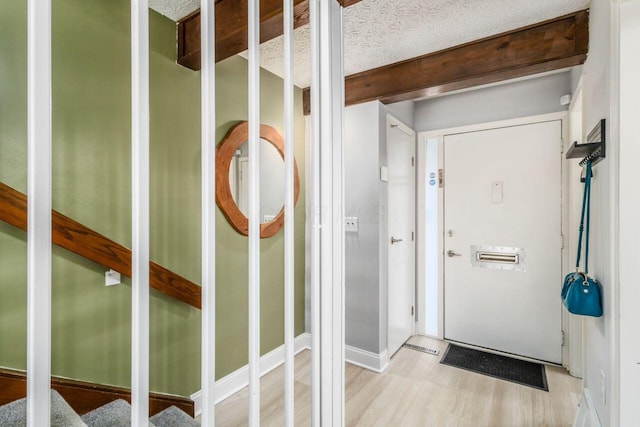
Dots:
{"x": 502, "y": 239}
{"x": 400, "y": 238}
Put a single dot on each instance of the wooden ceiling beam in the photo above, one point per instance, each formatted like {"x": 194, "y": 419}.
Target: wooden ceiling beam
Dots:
{"x": 231, "y": 28}
{"x": 551, "y": 45}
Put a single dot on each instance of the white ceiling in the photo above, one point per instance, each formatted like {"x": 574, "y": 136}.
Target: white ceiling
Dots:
{"x": 174, "y": 9}
{"x": 381, "y": 32}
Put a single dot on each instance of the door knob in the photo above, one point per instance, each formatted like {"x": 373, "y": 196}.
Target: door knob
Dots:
{"x": 394, "y": 240}
{"x": 451, "y": 254}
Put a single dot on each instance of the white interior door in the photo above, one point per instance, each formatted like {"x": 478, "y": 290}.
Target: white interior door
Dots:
{"x": 503, "y": 196}
{"x": 400, "y": 239}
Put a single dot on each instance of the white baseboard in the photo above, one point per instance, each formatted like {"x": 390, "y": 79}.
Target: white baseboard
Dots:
{"x": 239, "y": 379}
{"x": 366, "y": 359}
{"x": 587, "y": 416}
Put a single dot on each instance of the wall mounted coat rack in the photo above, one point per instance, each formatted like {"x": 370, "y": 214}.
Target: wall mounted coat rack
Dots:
{"x": 594, "y": 149}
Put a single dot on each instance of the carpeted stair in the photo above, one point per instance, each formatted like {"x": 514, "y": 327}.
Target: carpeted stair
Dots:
{"x": 14, "y": 414}
{"x": 113, "y": 414}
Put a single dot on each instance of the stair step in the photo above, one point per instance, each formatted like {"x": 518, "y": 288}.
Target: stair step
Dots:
{"x": 14, "y": 414}
{"x": 113, "y": 414}
{"x": 173, "y": 417}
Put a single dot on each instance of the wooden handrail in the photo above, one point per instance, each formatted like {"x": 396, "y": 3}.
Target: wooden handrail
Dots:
{"x": 81, "y": 240}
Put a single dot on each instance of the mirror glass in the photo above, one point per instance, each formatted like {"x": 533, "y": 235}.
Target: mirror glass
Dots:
{"x": 271, "y": 180}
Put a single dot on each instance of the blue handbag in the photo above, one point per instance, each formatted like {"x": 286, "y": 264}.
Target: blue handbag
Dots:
{"x": 580, "y": 293}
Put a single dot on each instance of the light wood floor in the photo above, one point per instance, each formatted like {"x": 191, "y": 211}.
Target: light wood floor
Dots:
{"x": 416, "y": 390}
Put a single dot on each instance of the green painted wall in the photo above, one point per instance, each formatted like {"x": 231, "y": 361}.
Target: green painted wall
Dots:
{"x": 91, "y": 183}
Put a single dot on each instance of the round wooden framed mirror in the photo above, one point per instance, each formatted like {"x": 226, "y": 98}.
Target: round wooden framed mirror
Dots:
{"x": 231, "y": 186}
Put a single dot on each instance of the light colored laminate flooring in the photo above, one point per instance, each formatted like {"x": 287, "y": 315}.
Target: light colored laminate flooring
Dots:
{"x": 416, "y": 390}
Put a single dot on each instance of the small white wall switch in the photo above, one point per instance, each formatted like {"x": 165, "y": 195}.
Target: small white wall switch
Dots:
{"x": 351, "y": 224}
{"x": 112, "y": 278}
{"x": 496, "y": 192}
{"x": 384, "y": 174}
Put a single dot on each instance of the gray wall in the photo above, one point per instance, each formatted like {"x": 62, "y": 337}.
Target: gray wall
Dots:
{"x": 366, "y": 198}
{"x": 403, "y": 111}
{"x": 507, "y": 101}
{"x": 362, "y": 195}
{"x": 576, "y": 73}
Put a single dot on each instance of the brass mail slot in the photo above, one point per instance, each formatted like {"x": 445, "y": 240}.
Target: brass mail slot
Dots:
{"x": 497, "y": 257}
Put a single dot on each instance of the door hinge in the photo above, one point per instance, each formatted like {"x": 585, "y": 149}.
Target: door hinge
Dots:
{"x": 412, "y": 310}
{"x": 562, "y": 241}
{"x": 412, "y": 236}
{"x": 413, "y": 160}
{"x": 562, "y": 338}
{"x": 562, "y": 146}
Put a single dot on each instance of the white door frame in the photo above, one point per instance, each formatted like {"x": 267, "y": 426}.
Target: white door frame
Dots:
{"x": 438, "y": 137}
{"x": 395, "y": 122}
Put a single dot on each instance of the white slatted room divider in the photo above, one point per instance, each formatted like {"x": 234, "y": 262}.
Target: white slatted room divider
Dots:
{"x": 327, "y": 98}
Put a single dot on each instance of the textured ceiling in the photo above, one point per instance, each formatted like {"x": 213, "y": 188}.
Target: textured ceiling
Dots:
{"x": 381, "y": 32}
{"x": 174, "y": 9}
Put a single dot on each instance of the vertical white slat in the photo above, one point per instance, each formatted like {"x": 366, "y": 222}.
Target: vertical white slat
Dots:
{"x": 316, "y": 213}
{"x": 140, "y": 213}
{"x": 208, "y": 171}
{"x": 39, "y": 213}
{"x": 337, "y": 281}
{"x": 332, "y": 226}
{"x": 289, "y": 260}
{"x": 328, "y": 86}
{"x": 254, "y": 212}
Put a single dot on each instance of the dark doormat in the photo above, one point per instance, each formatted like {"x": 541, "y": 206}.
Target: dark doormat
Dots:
{"x": 502, "y": 367}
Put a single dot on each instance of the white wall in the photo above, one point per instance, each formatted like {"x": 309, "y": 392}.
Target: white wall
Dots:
{"x": 629, "y": 212}
{"x": 520, "y": 98}
{"x": 596, "y": 106}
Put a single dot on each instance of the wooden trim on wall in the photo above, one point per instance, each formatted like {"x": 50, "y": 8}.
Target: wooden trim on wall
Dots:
{"x": 231, "y": 28}
{"x": 84, "y": 397}
{"x": 550, "y": 45}
{"x": 89, "y": 244}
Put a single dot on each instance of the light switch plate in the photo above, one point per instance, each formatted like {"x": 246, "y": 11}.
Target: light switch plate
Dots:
{"x": 351, "y": 224}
